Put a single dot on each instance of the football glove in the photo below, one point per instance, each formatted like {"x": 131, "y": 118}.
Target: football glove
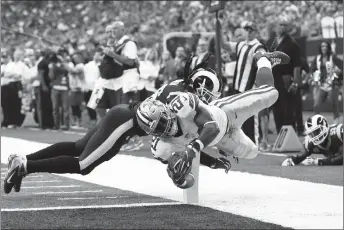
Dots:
{"x": 222, "y": 163}
{"x": 310, "y": 161}
{"x": 288, "y": 162}
{"x": 179, "y": 166}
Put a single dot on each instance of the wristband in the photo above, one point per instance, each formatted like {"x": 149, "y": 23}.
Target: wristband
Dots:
{"x": 196, "y": 145}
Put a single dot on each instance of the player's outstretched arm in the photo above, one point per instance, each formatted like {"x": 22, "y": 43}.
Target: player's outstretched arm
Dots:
{"x": 207, "y": 126}
{"x": 295, "y": 160}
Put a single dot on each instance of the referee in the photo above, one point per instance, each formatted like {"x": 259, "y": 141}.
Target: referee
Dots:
{"x": 245, "y": 70}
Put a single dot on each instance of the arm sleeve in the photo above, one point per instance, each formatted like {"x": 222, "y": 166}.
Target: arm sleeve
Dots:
{"x": 308, "y": 146}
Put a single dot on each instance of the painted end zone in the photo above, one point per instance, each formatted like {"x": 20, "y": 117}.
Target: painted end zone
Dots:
{"x": 290, "y": 203}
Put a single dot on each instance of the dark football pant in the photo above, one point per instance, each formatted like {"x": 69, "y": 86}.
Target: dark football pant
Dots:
{"x": 100, "y": 144}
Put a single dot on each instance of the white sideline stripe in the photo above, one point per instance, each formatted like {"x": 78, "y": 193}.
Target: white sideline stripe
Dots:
{"x": 57, "y": 131}
{"x": 282, "y": 201}
{"x": 71, "y": 192}
{"x": 91, "y": 198}
{"x": 89, "y": 206}
{"x": 32, "y": 176}
{"x": 54, "y": 186}
{"x": 41, "y": 181}
{"x": 274, "y": 154}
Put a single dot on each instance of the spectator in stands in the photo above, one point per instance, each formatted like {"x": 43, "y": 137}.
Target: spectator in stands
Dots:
{"x": 149, "y": 70}
{"x": 201, "y": 52}
{"x": 287, "y": 77}
{"x": 327, "y": 70}
{"x": 178, "y": 65}
{"x": 11, "y": 91}
{"x": 44, "y": 105}
{"x": 76, "y": 81}
{"x": 58, "y": 75}
{"x": 328, "y": 27}
{"x": 167, "y": 68}
{"x": 91, "y": 73}
{"x": 339, "y": 23}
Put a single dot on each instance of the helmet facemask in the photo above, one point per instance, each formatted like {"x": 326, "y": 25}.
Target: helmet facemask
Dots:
{"x": 165, "y": 125}
{"x": 317, "y": 134}
{"x": 157, "y": 119}
{"x": 206, "y": 84}
{"x": 205, "y": 95}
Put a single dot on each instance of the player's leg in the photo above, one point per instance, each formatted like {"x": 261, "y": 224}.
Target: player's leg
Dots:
{"x": 116, "y": 129}
{"x": 239, "y": 145}
{"x": 242, "y": 106}
{"x": 64, "y": 163}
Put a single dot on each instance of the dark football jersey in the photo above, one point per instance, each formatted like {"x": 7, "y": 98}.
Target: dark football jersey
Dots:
{"x": 168, "y": 92}
{"x": 331, "y": 146}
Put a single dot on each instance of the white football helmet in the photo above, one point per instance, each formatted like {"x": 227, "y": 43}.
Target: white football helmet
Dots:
{"x": 206, "y": 84}
{"x": 155, "y": 118}
{"x": 317, "y": 129}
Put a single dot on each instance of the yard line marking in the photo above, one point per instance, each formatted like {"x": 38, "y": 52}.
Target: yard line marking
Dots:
{"x": 71, "y": 192}
{"x": 89, "y": 207}
{"x": 90, "y": 198}
{"x": 53, "y": 186}
{"x": 3, "y": 173}
{"x": 41, "y": 181}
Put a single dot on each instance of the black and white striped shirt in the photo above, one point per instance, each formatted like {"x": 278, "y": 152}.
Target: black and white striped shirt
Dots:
{"x": 245, "y": 69}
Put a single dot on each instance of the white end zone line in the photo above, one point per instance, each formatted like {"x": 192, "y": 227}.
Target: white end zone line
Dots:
{"x": 89, "y": 207}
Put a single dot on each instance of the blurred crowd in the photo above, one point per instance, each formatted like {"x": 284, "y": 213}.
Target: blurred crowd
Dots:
{"x": 33, "y": 68}
{"x": 79, "y": 24}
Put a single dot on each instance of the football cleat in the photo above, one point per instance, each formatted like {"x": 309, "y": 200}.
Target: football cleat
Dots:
{"x": 15, "y": 173}
{"x": 276, "y": 57}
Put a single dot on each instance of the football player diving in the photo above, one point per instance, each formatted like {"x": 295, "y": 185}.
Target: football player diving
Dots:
{"x": 187, "y": 125}
{"x": 321, "y": 138}
{"x": 98, "y": 145}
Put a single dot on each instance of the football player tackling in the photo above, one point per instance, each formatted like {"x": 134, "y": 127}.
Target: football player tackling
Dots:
{"x": 187, "y": 125}
{"x": 99, "y": 144}
{"x": 320, "y": 138}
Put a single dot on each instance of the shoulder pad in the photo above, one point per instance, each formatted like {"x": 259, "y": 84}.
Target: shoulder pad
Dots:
{"x": 339, "y": 132}
{"x": 184, "y": 104}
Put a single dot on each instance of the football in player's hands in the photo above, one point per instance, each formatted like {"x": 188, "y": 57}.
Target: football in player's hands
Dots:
{"x": 179, "y": 166}
{"x": 288, "y": 162}
{"x": 187, "y": 183}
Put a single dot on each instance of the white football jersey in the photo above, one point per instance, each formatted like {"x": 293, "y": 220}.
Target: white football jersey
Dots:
{"x": 184, "y": 106}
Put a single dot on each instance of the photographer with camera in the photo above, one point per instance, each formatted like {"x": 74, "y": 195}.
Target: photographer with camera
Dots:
{"x": 118, "y": 70}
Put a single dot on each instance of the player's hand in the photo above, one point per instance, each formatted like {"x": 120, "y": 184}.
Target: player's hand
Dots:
{"x": 222, "y": 163}
{"x": 310, "y": 161}
{"x": 179, "y": 166}
{"x": 288, "y": 162}
{"x": 293, "y": 88}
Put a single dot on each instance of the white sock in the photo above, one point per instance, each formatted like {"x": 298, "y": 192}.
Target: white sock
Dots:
{"x": 263, "y": 62}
